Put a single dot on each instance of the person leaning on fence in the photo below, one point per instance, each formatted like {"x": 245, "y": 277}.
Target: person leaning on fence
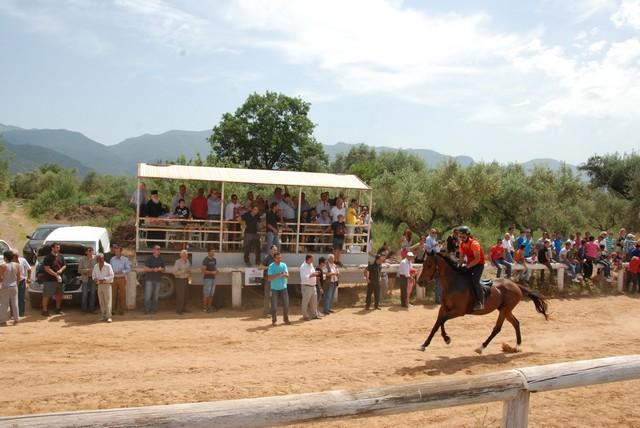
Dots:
{"x": 103, "y": 277}
{"x": 373, "y": 274}
{"x": 278, "y": 275}
{"x": 251, "y": 220}
{"x": 153, "y": 268}
{"x": 9, "y": 279}
{"x": 182, "y": 275}
{"x": 544, "y": 257}
{"x": 209, "y": 273}
{"x": 332, "y": 274}
{"x": 121, "y": 268}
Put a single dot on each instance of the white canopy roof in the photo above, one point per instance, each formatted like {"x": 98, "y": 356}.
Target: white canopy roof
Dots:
{"x": 251, "y": 176}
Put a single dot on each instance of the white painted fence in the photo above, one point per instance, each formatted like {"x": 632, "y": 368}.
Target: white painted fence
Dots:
{"x": 513, "y": 387}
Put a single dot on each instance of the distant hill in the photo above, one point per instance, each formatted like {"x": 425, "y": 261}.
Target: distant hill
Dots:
{"x": 552, "y": 164}
{"x": 161, "y": 147}
{"x": 27, "y": 158}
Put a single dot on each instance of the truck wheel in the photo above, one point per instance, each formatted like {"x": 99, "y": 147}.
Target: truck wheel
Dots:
{"x": 166, "y": 287}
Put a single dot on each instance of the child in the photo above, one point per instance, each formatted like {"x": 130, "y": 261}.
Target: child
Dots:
{"x": 338, "y": 227}
{"x": 519, "y": 258}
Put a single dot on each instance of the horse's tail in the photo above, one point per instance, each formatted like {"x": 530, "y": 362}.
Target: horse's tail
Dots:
{"x": 541, "y": 304}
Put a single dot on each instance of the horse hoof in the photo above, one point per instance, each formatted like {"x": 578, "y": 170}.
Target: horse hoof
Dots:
{"x": 479, "y": 350}
{"x": 447, "y": 340}
{"x": 422, "y": 348}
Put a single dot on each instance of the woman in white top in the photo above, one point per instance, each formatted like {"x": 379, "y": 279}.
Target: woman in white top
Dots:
{"x": 332, "y": 274}
{"x": 10, "y": 276}
{"x": 507, "y": 244}
{"x": 182, "y": 274}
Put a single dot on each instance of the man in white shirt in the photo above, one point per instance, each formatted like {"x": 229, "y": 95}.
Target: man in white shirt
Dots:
{"x": 231, "y": 214}
{"x": 103, "y": 277}
{"x": 404, "y": 273}
{"x": 308, "y": 280}
{"x": 339, "y": 209}
{"x": 182, "y": 194}
{"x": 323, "y": 204}
{"x": 507, "y": 244}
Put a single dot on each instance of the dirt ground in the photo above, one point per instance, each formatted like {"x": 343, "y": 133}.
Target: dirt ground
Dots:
{"x": 71, "y": 362}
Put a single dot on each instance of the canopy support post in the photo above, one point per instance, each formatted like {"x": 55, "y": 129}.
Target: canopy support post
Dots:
{"x": 138, "y": 215}
{"x": 221, "y": 214}
{"x": 370, "y": 221}
{"x": 298, "y": 220}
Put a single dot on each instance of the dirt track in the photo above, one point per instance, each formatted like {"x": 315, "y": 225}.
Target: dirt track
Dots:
{"x": 70, "y": 362}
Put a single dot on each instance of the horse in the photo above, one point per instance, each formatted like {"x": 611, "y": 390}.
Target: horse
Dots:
{"x": 457, "y": 299}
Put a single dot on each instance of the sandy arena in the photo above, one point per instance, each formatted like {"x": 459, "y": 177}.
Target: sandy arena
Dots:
{"x": 71, "y": 363}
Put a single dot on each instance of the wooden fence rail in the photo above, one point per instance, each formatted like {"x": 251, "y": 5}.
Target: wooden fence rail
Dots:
{"x": 511, "y": 386}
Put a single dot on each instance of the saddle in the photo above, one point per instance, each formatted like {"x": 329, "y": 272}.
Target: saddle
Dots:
{"x": 486, "y": 285}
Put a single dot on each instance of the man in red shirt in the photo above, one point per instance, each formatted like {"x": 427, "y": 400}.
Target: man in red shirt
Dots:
{"x": 498, "y": 259}
{"x": 634, "y": 274}
{"x": 471, "y": 251}
{"x": 199, "y": 206}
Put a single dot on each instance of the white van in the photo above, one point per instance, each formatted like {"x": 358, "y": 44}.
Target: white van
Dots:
{"x": 74, "y": 241}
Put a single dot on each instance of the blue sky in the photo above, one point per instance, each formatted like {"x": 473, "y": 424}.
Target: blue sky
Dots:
{"x": 502, "y": 80}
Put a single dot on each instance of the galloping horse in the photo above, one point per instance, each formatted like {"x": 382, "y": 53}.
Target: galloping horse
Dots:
{"x": 457, "y": 299}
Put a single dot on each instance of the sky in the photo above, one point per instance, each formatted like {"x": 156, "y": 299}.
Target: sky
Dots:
{"x": 495, "y": 80}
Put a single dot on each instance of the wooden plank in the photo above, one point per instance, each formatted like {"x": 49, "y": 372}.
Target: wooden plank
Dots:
{"x": 581, "y": 373}
{"x": 270, "y": 411}
{"x": 515, "y": 412}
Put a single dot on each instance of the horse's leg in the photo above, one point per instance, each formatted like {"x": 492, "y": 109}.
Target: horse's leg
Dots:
{"x": 445, "y": 336}
{"x": 516, "y": 325}
{"x": 494, "y": 332}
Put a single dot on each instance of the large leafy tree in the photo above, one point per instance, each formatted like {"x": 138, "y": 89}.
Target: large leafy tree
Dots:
{"x": 269, "y": 131}
{"x": 614, "y": 172}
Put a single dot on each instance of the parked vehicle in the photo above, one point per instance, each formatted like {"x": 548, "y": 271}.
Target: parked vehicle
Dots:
{"x": 36, "y": 239}
{"x": 4, "y": 246}
{"x": 74, "y": 241}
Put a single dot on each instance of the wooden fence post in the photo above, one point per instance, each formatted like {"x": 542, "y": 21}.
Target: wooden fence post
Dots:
{"x": 515, "y": 412}
{"x": 236, "y": 289}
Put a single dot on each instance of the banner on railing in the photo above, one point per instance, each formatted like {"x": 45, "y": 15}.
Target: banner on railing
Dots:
{"x": 253, "y": 277}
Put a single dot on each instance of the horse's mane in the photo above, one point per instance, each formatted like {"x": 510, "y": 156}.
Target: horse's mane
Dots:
{"x": 452, "y": 264}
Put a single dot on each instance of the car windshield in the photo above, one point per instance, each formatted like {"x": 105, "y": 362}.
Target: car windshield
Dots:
{"x": 3, "y": 247}
{"x": 40, "y": 234}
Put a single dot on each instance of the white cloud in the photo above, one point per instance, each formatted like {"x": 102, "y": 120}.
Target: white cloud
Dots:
{"x": 628, "y": 14}
{"x": 597, "y": 47}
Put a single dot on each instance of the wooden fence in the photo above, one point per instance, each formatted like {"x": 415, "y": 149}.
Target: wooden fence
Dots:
{"x": 513, "y": 387}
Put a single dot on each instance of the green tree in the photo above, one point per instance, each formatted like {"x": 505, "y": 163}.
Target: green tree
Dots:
{"x": 5, "y": 173}
{"x": 614, "y": 172}
{"x": 270, "y": 131}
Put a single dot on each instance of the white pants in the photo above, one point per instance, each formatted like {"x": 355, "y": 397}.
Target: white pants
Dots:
{"x": 309, "y": 301}
{"x": 8, "y": 298}
{"x": 104, "y": 297}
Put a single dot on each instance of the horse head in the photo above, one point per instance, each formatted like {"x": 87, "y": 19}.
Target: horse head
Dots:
{"x": 429, "y": 269}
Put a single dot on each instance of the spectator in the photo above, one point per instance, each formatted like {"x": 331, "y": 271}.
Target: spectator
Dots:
{"x": 304, "y": 205}
{"x": 351, "y": 219}
{"x": 278, "y": 275}
{"x": 528, "y": 244}
{"x": 497, "y": 254}
{"x": 251, "y": 201}
{"x": 556, "y": 245}
{"x": 25, "y": 277}
{"x": 603, "y": 260}
{"x": 431, "y": 242}
{"x": 182, "y": 275}
{"x": 634, "y": 274}
{"x": 277, "y": 196}
{"x": 121, "y": 268}
{"x": 231, "y": 215}
{"x": 543, "y": 258}
{"x": 181, "y": 211}
{"x": 214, "y": 205}
{"x": 420, "y": 249}
{"x": 337, "y": 210}
{"x": 199, "y": 206}
{"x": 406, "y": 242}
{"x": 453, "y": 243}
{"x": 10, "y": 274}
{"x": 153, "y": 268}
{"x": 520, "y": 259}
{"x": 308, "y": 281}
{"x": 507, "y": 244}
{"x": 323, "y": 204}
{"x": 636, "y": 251}
{"x": 566, "y": 260}
{"x": 286, "y": 206}
{"x": 54, "y": 266}
{"x": 85, "y": 269}
{"x": 332, "y": 275}
{"x": 140, "y": 194}
{"x": 338, "y": 227}
{"x": 250, "y": 220}
{"x": 103, "y": 277}
{"x": 182, "y": 194}
{"x": 404, "y": 274}
{"x": 154, "y": 206}
{"x": 267, "y": 286}
{"x": 372, "y": 274}
{"x": 324, "y": 218}
{"x": 628, "y": 246}
{"x": 622, "y": 235}
{"x": 273, "y": 228}
{"x": 209, "y": 273}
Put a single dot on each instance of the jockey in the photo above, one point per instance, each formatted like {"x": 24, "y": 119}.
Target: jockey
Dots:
{"x": 471, "y": 250}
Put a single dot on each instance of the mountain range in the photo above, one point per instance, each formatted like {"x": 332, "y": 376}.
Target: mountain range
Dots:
{"x": 31, "y": 148}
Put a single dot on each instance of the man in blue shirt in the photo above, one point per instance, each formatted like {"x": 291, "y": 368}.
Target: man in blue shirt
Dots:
{"x": 278, "y": 275}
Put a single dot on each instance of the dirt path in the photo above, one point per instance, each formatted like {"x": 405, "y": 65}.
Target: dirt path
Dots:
{"x": 15, "y": 224}
{"x": 70, "y": 362}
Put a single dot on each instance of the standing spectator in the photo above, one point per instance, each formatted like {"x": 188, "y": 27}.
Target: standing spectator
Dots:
{"x": 54, "y": 266}
{"x": 565, "y": 259}
{"x": 453, "y": 243}
{"x": 406, "y": 242}
{"x": 432, "y": 243}
{"x": 591, "y": 250}
{"x": 404, "y": 274}
{"x": 103, "y": 277}
{"x": 251, "y": 219}
{"x": 139, "y": 195}
{"x": 338, "y": 227}
{"x": 267, "y": 286}
{"x": 332, "y": 274}
{"x": 209, "y": 273}
{"x": 520, "y": 259}
{"x": 629, "y": 245}
{"x": 251, "y": 200}
{"x": 622, "y": 235}
{"x": 199, "y": 207}
{"x": 636, "y": 251}
{"x": 10, "y": 274}
{"x": 230, "y": 215}
{"x": 25, "y": 277}
{"x": 308, "y": 280}
{"x": 277, "y": 196}
{"x": 214, "y": 205}
{"x": 323, "y": 204}
{"x": 153, "y": 268}
{"x": 420, "y": 249}
{"x": 85, "y": 269}
{"x": 278, "y": 275}
{"x": 556, "y": 245}
{"x": 273, "y": 227}
{"x": 288, "y": 211}
{"x": 634, "y": 274}
{"x": 182, "y": 275}
{"x": 373, "y": 274}
{"x": 351, "y": 220}
{"x": 182, "y": 194}
{"x": 507, "y": 244}
{"x": 304, "y": 204}
{"x": 497, "y": 254}
{"x": 121, "y": 268}
{"x": 337, "y": 210}
{"x": 154, "y": 206}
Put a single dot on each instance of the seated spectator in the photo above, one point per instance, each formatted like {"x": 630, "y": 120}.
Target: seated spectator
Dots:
{"x": 288, "y": 211}
{"x": 603, "y": 260}
{"x": 566, "y": 260}
{"x": 324, "y": 218}
{"x": 181, "y": 211}
{"x": 154, "y": 206}
{"x": 519, "y": 258}
{"x": 544, "y": 257}
{"x": 277, "y": 196}
{"x": 498, "y": 259}
{"x": 323, "y": 204}
{"x": 199, "y": 206}
{"x": 337, "y": 210}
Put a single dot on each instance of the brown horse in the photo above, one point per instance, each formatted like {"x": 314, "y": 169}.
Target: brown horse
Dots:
{"x": 457, "y": 298}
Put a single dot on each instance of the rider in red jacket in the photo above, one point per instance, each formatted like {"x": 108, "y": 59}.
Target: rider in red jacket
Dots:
{"x": 471, "y": 250}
